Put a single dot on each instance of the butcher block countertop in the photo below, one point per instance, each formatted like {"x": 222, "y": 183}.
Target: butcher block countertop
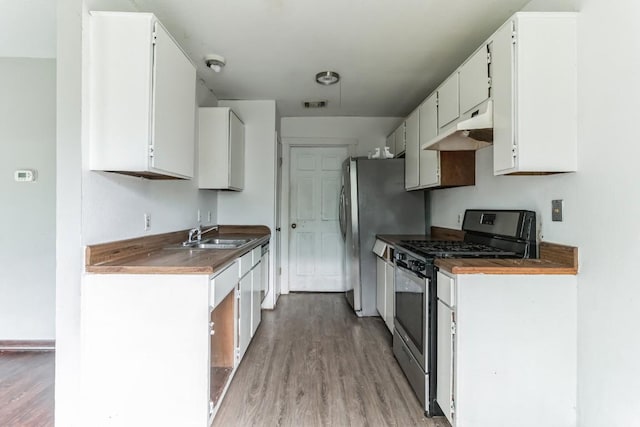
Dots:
{"x": 149, "y": 254}
{"x": 554, "y": 258}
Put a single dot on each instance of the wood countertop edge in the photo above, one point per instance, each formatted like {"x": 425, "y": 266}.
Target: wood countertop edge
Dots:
{"x": 515, "y": 270}
{"x": 554, "y": 258}
{"x": 119, "y": 264}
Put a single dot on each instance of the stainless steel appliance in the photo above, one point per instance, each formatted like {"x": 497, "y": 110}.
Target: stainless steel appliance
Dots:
{"x": 264, "y": 259}
{"x": 373, "y": 201}
{"x": 488, "y": 234}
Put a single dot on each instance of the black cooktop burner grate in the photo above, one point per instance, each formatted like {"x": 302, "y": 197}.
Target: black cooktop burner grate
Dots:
{"x": 452, "y": 249}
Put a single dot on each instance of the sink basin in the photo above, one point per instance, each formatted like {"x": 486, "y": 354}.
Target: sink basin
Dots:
{"x": 220, "y": 241}
{"x": 216, "y": 243}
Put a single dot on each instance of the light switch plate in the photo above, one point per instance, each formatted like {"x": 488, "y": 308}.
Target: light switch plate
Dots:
{"x": 556, "y": 210}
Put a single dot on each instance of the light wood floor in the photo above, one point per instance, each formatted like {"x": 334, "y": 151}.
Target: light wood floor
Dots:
{"x": 26, "y": 389}
{"x": 314, "y": 363}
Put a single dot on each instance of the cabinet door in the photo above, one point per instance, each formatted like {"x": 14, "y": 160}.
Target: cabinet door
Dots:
{"x": 444, "y": 392}
{"x": 448, "y": 101}
{"x": 429, "y": 159}
{"x": 474, "y": 80}
{"x": 502, "y": 63}
{"x": 256, "y": 300}
{"x": 412, "y": 155}
{"x": 399, "y": 139}
{"x": 391, "y": 143}
{"x": 174, "y": 87}
{"x": 236, "y": 152}
{"x": 244, "y": 315}
{"x": 380, "y": 287}
{"x": 390, "y": 296}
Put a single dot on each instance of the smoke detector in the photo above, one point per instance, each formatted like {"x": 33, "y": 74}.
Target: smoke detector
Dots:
{"x": 215, "y": 62}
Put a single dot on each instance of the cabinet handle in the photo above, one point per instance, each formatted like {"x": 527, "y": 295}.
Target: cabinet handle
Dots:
{"x": 294, "y": 225}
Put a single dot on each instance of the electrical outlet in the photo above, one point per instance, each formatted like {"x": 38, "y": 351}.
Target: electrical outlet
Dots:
{"x": 199, "y": 218}
{"x": 147, "y": 221}
{"x": 460, "y": 216}
{"x": 209, "y": 217}
{"x": 556, "y": 210}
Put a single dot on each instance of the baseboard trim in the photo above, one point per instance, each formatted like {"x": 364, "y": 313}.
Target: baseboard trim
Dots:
{"x": 27, "y": 345}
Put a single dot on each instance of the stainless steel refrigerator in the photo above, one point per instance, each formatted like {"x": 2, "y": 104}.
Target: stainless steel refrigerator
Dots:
{"x": 373, "y": 201}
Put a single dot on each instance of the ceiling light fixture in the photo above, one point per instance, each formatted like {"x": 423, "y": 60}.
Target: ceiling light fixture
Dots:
{"x": 327, "y": 78}
{"x": 215, "y": 62}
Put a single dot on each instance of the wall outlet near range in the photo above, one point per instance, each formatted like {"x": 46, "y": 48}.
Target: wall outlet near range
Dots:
{"x": 147, "y": 221}
{"x": 460, "y": 218}
{"x": 199, "y": 217}
{"x": 556, "y": 210}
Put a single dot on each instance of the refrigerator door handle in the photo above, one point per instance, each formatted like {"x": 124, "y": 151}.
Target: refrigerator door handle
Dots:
{"x": 341, "y": 214}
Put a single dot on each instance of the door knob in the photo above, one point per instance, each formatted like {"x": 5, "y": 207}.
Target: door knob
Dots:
{"x": 294, "y": 225}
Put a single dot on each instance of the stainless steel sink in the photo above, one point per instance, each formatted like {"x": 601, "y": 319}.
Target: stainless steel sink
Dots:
{"x": 215, "y": 243}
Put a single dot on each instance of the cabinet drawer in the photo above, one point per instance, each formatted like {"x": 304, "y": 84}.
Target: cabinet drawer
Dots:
{"x": 246, "y": 262}
{"x": 256, "y": 254}
{"x": 223, "y": 283}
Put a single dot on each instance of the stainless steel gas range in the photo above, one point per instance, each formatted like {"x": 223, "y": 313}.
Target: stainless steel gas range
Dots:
{"x": 488, "y": 234}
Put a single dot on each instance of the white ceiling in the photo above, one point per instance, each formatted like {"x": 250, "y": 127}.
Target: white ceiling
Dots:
{"x": 390, "y": 53}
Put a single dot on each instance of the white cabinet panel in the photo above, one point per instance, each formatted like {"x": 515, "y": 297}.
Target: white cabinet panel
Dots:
{"x": 412, "y": 155}
{"x": 390, "y": 295}
{"x": 142, "y": 98}
{"x": 380, "y": 287}
{"x": 502, "y": 65}
{"x": 391, "y": 143}
{"x": 448, "y": 101}
{"x": 174, "y": 107}
{"x": 474, "y": 80}
{"x": 429, "y": 159}
{"x": 445, "y": 381}
{"x": 223, "y": 283}
{"x": 534, "y": 61}
{"x": 236, "y": 143}
{"x": 244, "y": 316}
{"x": 256, "y": 287}
{"x": 399, "y": 139}
{"x": 220, "y": 149}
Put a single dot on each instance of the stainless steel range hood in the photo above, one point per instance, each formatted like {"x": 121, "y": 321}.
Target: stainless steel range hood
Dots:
{"x": 471, "y": 134}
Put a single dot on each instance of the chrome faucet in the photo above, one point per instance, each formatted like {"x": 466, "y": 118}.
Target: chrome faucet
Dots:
{"x": 195, "y": 235}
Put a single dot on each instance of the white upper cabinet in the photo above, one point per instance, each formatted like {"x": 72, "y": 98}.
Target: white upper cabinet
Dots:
{"x": 412, "y": 151}
{"x": 142, "y": 98}
{"x": 448, "y": 101}
{"x": 534, "y": 63}
{"x": 429, "y": 175}
{"x": 474, "y": 80}
{"x": 391, "y": 143}
{"x": 399, "y": 138}
{"x": 220, "y": 149}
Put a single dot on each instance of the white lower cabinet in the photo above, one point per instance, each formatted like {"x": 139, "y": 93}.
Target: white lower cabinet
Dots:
{"x": 174, "y": 341}
{"x": 506, "y": 352}
{"x": 384, "y": 291}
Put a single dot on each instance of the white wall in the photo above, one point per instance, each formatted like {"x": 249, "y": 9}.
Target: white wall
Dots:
{"x": 256, "y": 203}
{"x": 27, "y": 217}
{"x": 95, "y": 207}
{"x": 371, "y": 132}
{"x": 602, "y": 211}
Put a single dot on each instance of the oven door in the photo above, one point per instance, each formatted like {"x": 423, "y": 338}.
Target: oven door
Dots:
{"x": 411, "y": 312}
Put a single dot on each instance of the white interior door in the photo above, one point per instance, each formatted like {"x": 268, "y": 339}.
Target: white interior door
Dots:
{"x": 316, "y": 248}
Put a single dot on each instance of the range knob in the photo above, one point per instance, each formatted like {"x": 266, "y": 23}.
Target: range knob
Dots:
{"x": 419, "y": 265}
{"x": 400, "y": 256}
